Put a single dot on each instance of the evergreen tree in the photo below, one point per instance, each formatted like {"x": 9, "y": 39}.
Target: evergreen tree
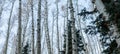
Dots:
{"x": 103, "y": 25}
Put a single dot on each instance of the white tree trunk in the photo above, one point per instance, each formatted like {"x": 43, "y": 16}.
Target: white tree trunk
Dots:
{"x": 39, "y": 28}
{"x": 74, "y": 39}
{"x": 8, "y": 31}
{"x": 47, "y": 29}
{"x": 57, "y": 26}
{"x": 66, "y": 52}
{"x": 53, "y": 14}
{"x": 33, "y": 51}
{"x": 25, "y": 25}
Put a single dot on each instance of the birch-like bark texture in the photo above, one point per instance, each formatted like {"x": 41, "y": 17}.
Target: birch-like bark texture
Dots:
{"x": 57, "y": 27}
{"x": 39, "y": 28}
{"x": 14, "y": 45}
{"x": 33, "y": 51}
{"x": 74, "y": 45}
{"x": 47, "y": 29}
{"x": 25, "y": 25}
{"x": 19, "y": 28}
{"x": 66, "y": 52}
{"x": 53, "y": 15}
{"x": 8, "y": 31}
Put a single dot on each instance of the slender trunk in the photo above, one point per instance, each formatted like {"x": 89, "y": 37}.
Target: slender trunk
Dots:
{"x": 32, "y": 27}
{"x": 57, "y": 28}
{"x": 8, "y": 31}
{"x": 46, "y": 28}
{"x": 74, "y": 45}
{"x": 52, "y": 29}
{"x": 26, "y": 24}
{"x": 19, "y": 28}
{"x": 39, "y": 28}
{"x": 66, "y": 52}
{"x": 14, "y": 45}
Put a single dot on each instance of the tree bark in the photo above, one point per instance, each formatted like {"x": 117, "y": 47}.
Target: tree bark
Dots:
{"x": 47, "y": 29}
{"x": 19, "y": 28}
{"x": 39, "y": 28}
{"x": 74, "y": 45}
{"x": 25, "y": 25}
{"x": 57, "y": 27}
{"x": 66, "y": 52}
{"x": 53, "y": 14}
{"x": 33, "y": 52}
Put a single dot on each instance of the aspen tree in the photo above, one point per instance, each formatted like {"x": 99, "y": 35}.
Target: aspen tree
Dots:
{"x": 47, "y": 29}
{"x": 8, "y": 31}
{"x": 74, "y": 45}
{"x": 33, "y": 51}
{"x": 66, "y": 52}
{"x": 39, "y": 28}
{"x": 57, "y": 15}
{"x": 19, "y": 28}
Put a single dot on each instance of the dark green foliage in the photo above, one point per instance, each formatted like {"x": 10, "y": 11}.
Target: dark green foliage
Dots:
{"x": 25, "y": 49}
{"x": 113, "y": 8}
{"x": 84, "y": 12}
{"x": 113, "y": 46}
{"x": 100, "y": 25}
{"x": 106, "y": 1}
{"x": 116, "y": 51}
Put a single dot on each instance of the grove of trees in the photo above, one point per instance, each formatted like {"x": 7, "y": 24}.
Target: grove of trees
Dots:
{"x": 59, "y": 26}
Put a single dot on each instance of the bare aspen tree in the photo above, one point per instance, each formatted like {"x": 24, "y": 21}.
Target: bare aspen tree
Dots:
{"x": 74, "y": 45}
{"x": 33, "y": 52}
{"x": 8, "y": 31}
{"x": 14, "y": 45}
{"x": 53, "y": 15}
{"x": 19, "y": 28}
{"x": 57, "y": 15}
{"x": 26, "y": 20}
{"x": 39, "y": 28}
{"x": 47, "y": 29}
{"x": 66, "y": 52}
